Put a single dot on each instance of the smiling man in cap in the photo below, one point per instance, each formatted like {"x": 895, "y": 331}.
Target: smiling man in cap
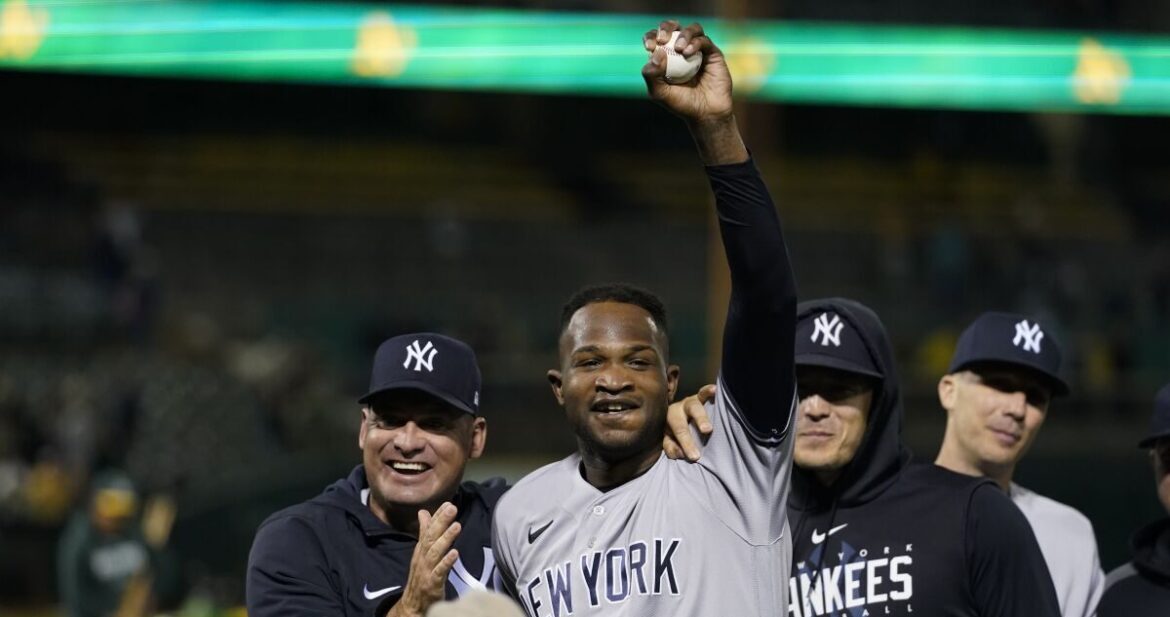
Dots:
{"x": 1004, "y": 373}
{"x": 402, "y": 531}
{"x": 1141, "y": 588}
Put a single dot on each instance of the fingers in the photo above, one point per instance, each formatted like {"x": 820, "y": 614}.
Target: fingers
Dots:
{"x": 690, "y": 39}
{"x": 649, "y": 40}
{"x": 680, "y": 431}
{"x": 443, "y": 568}
{"x": 665, "y": 28}
{"x": 671, "y": 448}
{"x": 654, "y": 72}
{"x": 696, "y": 413}
{"x": 707, "y": 393}
{"x": 440, "y": 534}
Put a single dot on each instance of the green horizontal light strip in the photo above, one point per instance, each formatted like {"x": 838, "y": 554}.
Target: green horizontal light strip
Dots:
{"x": 413, "y": 46}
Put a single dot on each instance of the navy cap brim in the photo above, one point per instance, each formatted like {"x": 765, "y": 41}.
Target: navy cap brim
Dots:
{"x": 816, "y": 359}
{"x": 1150, "y": 440}
{"x": 422, "y": 387}
{"x": 1056, "y": 385}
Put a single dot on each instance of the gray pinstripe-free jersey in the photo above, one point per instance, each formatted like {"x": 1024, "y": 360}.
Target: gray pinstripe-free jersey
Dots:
{"x": 683, "y": 539}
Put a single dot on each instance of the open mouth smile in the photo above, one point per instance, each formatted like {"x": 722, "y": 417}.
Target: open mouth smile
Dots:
{"x": 613, "y": 406}
{"x": 408, "y": 468}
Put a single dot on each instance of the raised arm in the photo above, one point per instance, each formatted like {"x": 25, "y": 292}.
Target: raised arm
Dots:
{"x": 757, "y": 366}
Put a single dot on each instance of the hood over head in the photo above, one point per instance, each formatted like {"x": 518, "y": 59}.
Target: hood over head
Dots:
{"x": 847, "y": 335}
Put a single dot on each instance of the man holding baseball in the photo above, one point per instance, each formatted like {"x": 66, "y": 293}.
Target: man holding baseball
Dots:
{"x": 617, "y": 528}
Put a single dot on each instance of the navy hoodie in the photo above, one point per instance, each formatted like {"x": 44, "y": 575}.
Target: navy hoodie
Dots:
{"x": 331, "y": 556}
{"x": 892, "y": 537}
{"x": 1141, "y": 588}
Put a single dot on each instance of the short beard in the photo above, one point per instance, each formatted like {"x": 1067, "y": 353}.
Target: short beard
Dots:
{"x": 646, "y": 440}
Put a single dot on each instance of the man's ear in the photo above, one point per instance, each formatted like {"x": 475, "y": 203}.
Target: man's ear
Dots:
{"x": 363, "y": 427}
{"x": 946, "y": 391}
{"x": 672, "y": 373}
{"x": 478, "y": 437}
{"x": 554, "y": 380}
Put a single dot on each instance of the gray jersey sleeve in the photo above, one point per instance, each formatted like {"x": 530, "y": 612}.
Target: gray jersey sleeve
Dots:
{"x": 746, "y": 476}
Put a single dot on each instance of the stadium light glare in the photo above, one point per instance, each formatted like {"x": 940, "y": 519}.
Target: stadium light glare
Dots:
{"x": 414, "y": 46}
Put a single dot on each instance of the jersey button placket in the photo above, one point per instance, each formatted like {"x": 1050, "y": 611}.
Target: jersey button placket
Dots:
{"x": 593, "y": 522}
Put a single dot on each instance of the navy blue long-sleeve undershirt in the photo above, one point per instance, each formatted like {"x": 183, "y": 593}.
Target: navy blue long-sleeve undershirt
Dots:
{"x": 759, "y": 335}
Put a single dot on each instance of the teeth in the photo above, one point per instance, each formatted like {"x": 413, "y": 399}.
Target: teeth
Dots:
{"x": 409, "y": 466}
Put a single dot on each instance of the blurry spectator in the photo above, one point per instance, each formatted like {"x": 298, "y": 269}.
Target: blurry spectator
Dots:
{"x": 102, "y": 549}
{"x": 1141, "y": 588}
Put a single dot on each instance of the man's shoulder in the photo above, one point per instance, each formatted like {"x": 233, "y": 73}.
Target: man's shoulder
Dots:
{"x": 300, "y": 519}
{"x": 1050, "y": 512}
{"x": 544, "y": 483}
{"x": 488, "y": 491}
{"x": 921, "y": 475}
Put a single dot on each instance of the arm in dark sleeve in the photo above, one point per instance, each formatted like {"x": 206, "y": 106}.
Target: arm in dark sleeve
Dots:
{"x": 758, "y": 340}
{"x": 1006, "y": 568}
{"x": 288, "y": 574}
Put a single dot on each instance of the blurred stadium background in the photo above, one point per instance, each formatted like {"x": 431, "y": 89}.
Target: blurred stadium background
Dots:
{"x": 197, "y": 261}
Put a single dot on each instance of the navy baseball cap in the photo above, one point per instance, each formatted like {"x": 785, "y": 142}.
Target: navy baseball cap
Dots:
{"x": 1010, "y": 339}
{"x": 1160, "y": 420}
{"x": 824, "y": 338}
{"x": 438, "y": 365}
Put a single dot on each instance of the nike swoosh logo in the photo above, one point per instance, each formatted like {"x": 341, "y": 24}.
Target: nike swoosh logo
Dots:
{"x": 534, "y": 534}
{"x": 374, "y": 595}
{"x": 817, "y": 538}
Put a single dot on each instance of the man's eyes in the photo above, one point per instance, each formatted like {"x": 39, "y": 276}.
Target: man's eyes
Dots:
{"x": 829, "y": 393}
{"x": 429, "y": 425}
{"x": 595, "y": 362}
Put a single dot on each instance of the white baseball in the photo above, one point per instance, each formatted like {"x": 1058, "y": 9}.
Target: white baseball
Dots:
{"x": 679, "y": 68}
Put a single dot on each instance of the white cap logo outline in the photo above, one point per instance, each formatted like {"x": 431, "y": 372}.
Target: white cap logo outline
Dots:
{"x": 1029, "y": 335}
{"x": 423, "y": 357}
{"x": 828, "y": 330}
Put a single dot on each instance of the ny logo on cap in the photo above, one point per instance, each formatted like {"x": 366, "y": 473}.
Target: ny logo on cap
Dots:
{"x": 1028, "y": 334}
{"x": 422, "y": 356}
{"x": 828, "y": 330}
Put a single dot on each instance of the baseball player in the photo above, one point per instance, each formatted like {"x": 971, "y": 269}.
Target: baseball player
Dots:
{"x": 1005, "y": 370}
{"x": 617, "y": 528}
{"x": 874, "y": 533}
{"x": 1141, "y": 588}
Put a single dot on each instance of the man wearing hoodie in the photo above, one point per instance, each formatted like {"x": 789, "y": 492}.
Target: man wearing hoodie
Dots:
{"x": 874, "y": 533}
{"x": 1004, "y": 373}
{"x": 1141, "y": 588}
{"x": 402, "y": 530}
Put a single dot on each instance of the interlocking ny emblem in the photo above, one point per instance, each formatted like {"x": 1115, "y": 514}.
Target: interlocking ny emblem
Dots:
{"x": 422, "y": 356}
{"x": 828, "y": 330}
{"x": 1028, "y": 334}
